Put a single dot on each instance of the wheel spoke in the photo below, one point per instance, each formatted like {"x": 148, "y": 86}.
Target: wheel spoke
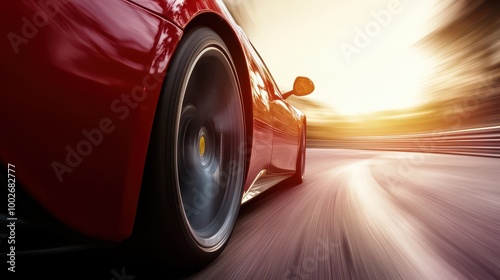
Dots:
{"x": 210, "y": 131}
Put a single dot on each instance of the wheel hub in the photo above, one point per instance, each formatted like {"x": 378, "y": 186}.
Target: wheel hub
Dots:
{"x": 210, "y": 130}
{"x": 202, "y": 145}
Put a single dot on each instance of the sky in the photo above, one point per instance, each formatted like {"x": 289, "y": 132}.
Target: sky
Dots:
{"x": 360, "y": 54}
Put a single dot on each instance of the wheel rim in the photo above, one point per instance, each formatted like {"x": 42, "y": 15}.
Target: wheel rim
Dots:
{"x": 209, "y": 167}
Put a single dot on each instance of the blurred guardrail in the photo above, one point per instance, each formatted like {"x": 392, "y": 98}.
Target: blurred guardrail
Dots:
{"x": 477, "y": 141}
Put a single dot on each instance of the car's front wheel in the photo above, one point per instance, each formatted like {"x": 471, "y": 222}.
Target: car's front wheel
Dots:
{"x": 194, "y": 174}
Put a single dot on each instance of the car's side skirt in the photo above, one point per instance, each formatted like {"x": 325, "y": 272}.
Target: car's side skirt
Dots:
{"x": 261, "y": 183}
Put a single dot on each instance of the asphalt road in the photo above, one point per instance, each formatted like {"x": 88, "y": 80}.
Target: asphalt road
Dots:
{"x": 372, "y": 215}
{"x": 358, "y": 215}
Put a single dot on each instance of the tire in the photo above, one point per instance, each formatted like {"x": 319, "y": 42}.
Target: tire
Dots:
{"x": 194, "y": 174}
{"x": 298, "y": 177}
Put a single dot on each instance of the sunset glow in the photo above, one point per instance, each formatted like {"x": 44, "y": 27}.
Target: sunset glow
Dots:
{"x": 361, "y": 56}
{"x": 379, "y": 84}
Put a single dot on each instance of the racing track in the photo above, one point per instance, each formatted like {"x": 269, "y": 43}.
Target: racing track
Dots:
{"x": 372, "y": 215}
{"x": 358, "y": 215}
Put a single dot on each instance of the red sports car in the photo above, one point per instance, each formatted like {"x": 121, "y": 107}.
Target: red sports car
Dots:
{"x": 143, "y": 120}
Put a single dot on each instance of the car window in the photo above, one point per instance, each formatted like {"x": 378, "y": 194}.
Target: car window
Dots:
{"x": 270, "y": 79}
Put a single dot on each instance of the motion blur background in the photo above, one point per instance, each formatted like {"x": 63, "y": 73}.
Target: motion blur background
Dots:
{"x": 383, "y": 67}
{"x": 403, "y": 75}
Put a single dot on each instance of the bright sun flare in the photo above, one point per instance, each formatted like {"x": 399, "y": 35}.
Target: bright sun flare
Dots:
{"x": 388, "y": 73}
{"x": 387, "y": 82}
{"x": 391, "y": 73}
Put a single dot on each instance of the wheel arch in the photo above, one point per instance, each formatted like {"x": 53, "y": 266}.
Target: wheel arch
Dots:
{"x": 227, "y": 33}
{"x": 158, "y": 202}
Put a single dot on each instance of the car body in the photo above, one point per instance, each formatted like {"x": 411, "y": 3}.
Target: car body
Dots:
{"x": 82, "y": 80}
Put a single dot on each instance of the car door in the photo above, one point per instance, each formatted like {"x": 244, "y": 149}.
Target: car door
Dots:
{"x": 285, "y": 134}
{"x": 284, "y": 124}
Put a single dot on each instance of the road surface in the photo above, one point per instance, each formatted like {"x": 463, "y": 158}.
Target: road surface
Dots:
{"x": 372, "y": 215}
{"x": 358, "y": 215}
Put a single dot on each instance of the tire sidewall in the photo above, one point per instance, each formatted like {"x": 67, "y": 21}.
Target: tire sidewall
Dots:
{"x": 163, "y": 197}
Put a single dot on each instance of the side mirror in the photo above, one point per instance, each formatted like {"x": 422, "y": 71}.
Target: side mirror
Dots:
{"x": 301, "y": 87}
